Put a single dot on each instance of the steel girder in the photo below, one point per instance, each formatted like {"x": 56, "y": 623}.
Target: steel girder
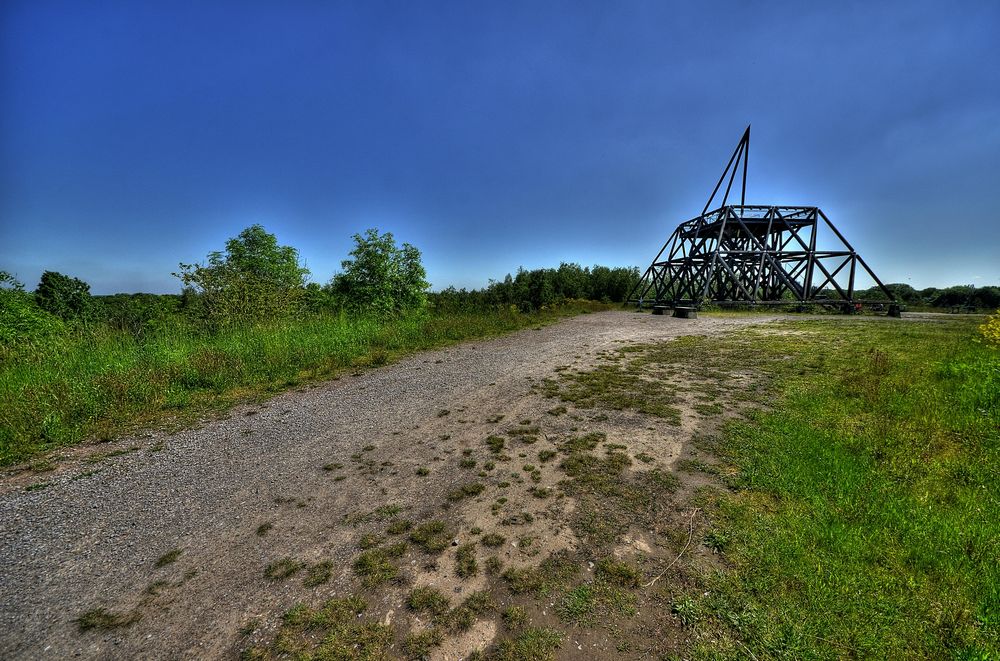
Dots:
{"x": 753, "y": 254}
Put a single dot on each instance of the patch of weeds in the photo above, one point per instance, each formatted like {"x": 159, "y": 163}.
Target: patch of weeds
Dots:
{"x": 428, "y": 600}
{"x": 489, "y": 465}
{"x": 333, "y": 466}
{"x": 282, "y": 569}
{"x": 368, "y": 448}
{"x": 38, "y": 486}
{"x": 528, "y": 468}
{"x": 523, "y": 579}
{"x": 495, "y": 444}
{"x": 423, "y": 471}
{"x": 103, "y": 619}
{"x": 375, "y": 567}
{"x": 717, "y": 540}
{"x": 618, "y": 573}
{"x": 558, "y": 410}
{"x": 709, "y": 409}
{"x": 467, "y": 462}
{"x": 334, "y": 631}
{"x": 493, "y": 566}
{"x": 514, "y": 617}
{"x": 466, "y": 490}
{"x": 476, "y": 530}
{"x": 433, "y": 536}
{"x": 369, "y": 540}
{"x": 42, "y": 466}
{"x": 318, "y": 574}
{"x": 540, "y": 492}
{"x": 583, "y": 443}
{"x": 465, "y": 561}
{"x": 340, "y": 478}
{"x": 419, "y": 645}
{"x": 546, "y": 455}
{"x": 248, "y": 628}
{"x": 533, "y": 644}
{"x": 168, "y": 558}
{"x": 493, "y": 539}
{"x": 525, "y": 434}
{"x": 611, "y": 447}
{"x": 578, "y": 605}
{"x": 389, "y": 511}
{"x": 687, "y": 611}
{"x": 479, "y": 602}
{"x": 493, "y": 419}
{"x": 519, "y": 519}
{"x": 443, "y": 412}
{"x": 644, "y": 458}
{"x": 154, "y": 588}
{"x": 399, "y": 526}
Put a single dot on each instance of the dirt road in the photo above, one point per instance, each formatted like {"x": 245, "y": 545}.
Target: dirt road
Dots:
{"x": 293, "y": 478}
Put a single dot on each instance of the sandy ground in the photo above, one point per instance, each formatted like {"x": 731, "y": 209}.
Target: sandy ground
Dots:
{"x": 92, "y": 536}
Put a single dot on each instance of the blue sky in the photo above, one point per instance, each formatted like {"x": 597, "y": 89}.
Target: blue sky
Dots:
{"x": 136, "y": 135}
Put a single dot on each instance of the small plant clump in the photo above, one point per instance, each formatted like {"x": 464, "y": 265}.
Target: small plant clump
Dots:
{"x": 282, "y": 569}
{"x": 318, "y": 574}
{"x": 428, "y": 600}
{"x": 433, "y": 536}
{"x": 493, "y": 539}
{"x": 419, "y": 645}
{"x": 466, "y": 490}
{"x": 465, "y": 561}
{"x": 399, "y": 526}
{"x": 168, "y": 558}
{"x": 495, "y": 444}
{"x": 103, "y": 619}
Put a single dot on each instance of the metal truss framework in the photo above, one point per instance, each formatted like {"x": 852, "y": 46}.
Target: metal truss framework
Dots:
{"x": 753, "y": 254}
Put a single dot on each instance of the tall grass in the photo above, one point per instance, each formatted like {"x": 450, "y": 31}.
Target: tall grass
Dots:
{"x": 865, "y": 520}
{"x": 102, "y": 383}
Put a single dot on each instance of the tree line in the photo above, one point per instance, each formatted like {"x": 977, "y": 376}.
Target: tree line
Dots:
{"x": 254, "y": 279}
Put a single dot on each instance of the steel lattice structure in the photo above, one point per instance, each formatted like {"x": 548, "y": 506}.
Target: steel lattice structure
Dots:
{"x": 753, "y": 254}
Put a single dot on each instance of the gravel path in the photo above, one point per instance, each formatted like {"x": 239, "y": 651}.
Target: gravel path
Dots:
{"x": 92, "y": 537}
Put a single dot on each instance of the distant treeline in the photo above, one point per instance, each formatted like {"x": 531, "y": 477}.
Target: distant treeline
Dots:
{"x": 981, "y": 298}
{"x": 540, "y": 288}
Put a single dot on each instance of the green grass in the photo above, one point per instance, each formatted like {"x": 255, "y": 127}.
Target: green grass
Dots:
{"x": 532, "y": 644}
{"x": 865, "y": 520}
{"x": 98, "y": 383}
{"x": 432, "y": 536}
{"x": 465, "y": 561}
{"x": 336, "y": 630}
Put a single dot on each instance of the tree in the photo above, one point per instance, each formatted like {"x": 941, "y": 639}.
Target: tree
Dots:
{"x": 381, "y": 277}
{"x": 62, "y": 295}
{"x": 254, "y": 279}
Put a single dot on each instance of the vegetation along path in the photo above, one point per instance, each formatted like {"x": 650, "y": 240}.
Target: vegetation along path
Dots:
{"x": 545, "y": 494}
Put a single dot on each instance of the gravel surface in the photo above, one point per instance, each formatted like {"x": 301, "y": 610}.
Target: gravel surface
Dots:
{"x": 92, "y": 537}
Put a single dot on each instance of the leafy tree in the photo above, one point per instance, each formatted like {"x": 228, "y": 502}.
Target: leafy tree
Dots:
{"x": 253, "y": 280}
{"x": 381, "y": 277}
{"x": 62, "y": 295}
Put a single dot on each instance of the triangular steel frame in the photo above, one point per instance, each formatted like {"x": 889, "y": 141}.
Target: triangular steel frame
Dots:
{"x": 753, "y": 254}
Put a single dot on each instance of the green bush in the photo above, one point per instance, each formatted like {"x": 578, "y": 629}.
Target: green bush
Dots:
{"x": 381, "y": 278}
{"x": 254, "y": 279}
